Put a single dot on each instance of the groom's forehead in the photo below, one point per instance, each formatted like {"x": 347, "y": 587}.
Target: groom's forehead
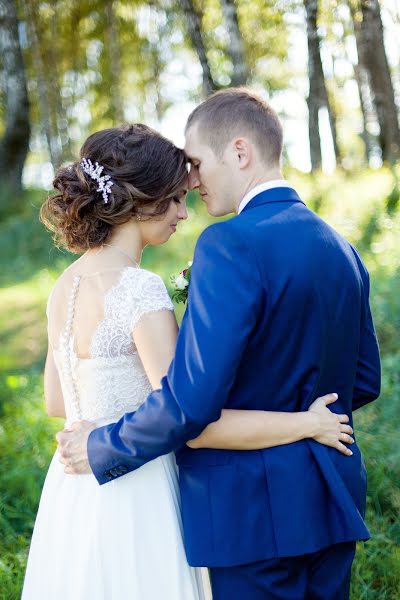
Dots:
{"x": 190, "y": 154}
{"x": 193, "y": 152}
{"x": 191, "y": 141}
{"x": 188, "y": 149}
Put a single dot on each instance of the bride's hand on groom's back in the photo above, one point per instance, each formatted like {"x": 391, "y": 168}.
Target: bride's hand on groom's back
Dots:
{"x": 331, "y": 429}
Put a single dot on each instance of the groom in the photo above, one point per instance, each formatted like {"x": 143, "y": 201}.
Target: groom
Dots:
{"x": 277, "y": 315}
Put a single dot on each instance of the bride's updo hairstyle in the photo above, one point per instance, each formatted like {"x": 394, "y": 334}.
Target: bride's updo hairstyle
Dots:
{"x": 146, "y": 171}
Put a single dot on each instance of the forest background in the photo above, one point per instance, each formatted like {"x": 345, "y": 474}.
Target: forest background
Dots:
{"x": 67, "y": 68}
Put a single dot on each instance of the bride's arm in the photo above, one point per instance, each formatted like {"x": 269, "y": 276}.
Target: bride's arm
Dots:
{"x": 255, "y": 429}
{"x": 155, "y": 340}
{"x": 52, "y": 388}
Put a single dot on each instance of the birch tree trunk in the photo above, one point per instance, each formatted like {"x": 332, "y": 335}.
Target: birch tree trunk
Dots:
{"x": 364, "y": 89}
{"x": 59, "y": 115}
{"x": 43, "y": 89}
{"x": 367, "y": 114}
{"x": 113, "y": 49}
{"x": 236, "y": 50}
{"x": 14, "y": 143}
{"x": 375, "y": 60}
{"x": 193, "y": 19}
{"x": 317, "y": 96}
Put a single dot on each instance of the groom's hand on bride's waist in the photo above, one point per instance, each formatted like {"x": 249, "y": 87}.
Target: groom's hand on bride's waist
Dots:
{"x": 72, "y": 447}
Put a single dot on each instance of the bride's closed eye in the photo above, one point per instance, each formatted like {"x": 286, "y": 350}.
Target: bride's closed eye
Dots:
{"x": 181, "y": 198}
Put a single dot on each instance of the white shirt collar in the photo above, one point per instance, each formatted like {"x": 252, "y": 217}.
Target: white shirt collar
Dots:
{"x": 262, "y": 187}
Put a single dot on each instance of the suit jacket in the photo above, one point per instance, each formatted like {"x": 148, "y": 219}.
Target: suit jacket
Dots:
{"x": 278, "y": 314}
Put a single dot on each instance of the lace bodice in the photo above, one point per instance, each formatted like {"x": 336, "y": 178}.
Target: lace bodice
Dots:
{"x": 138, "y": 292}
{"x": 111, "y": 380}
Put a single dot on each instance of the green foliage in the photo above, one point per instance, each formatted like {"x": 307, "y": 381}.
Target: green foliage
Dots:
{"x": 26, "y": 247}
{"x": 376, "y": 571}
{"x": 26, "y": 444}
{"x": 26, "y": 430}
{"x": 29, "y": 267}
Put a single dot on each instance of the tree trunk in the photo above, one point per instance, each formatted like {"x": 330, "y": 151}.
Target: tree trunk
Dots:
{"x": 115, "y": 64}
{"x": 194, "y": 27}
{"x": 374, "y": 55}
{"x": 316, "y": 82}
{"x": 60, "y": 125}
{"x": 364, "y": 89}
{"x": 313, "y": 132}
{"x": 236, "y": 51}
{"x": 318, "y": 95}
{"x": 364, "y": 96}
{"x": 332, "y": 123}
{"x": 14, "y": 144}
{"x": 43, "y": 87}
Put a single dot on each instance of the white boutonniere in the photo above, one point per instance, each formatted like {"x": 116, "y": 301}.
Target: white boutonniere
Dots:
{"x": 180, "y": 284}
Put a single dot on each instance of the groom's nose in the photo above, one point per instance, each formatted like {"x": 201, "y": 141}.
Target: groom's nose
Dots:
{"x": 194, "y": 180}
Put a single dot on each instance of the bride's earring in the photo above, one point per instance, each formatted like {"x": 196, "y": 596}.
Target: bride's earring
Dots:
{"x": 138, "y": 217}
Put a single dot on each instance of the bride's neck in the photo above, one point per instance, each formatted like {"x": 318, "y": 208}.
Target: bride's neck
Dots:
{"x": 127, "y": 237}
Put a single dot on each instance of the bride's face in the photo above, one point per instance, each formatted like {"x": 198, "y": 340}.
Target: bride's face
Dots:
{"x": 158, "y": 230}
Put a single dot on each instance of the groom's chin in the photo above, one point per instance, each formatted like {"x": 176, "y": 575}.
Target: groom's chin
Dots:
{"x": 211, "y": 211}
{"x": 214, "y": 211}
{"x": 217, "y": 212}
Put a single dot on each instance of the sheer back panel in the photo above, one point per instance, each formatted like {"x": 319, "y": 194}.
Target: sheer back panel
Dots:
{"x": 91, "y": 318}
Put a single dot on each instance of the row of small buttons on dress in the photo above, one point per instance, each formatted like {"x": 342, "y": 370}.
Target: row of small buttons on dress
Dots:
{"x": 116, "y": 472}
{"x": 66, "y": 341}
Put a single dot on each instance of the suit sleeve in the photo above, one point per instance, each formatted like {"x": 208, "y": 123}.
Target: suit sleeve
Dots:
{"x": 223, "y": 306}
{"x": 367, "y": 383}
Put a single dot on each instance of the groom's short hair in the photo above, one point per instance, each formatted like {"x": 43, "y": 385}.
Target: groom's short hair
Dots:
{"x": 239, "y": 111}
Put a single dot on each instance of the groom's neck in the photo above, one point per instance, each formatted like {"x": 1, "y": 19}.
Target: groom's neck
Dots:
{"x": 257, "y": 177}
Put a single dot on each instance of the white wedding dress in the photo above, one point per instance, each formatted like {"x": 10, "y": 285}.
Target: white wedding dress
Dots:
{"x": 121, "y": 540}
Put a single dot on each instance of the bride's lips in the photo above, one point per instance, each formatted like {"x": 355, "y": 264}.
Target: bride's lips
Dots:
{"x": 173, "y": 227}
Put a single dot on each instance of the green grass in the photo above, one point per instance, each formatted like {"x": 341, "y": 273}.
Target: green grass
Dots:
{"x": 356, "y": 206}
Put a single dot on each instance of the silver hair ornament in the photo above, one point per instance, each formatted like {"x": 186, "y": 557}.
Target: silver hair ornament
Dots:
{"x": 95, "y": 173}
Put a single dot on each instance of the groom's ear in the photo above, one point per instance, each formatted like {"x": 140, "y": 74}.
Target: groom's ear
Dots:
{"x": 243, "y": 151}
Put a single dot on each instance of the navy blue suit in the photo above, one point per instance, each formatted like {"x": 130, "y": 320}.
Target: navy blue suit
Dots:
{"x": 278, "y": 314}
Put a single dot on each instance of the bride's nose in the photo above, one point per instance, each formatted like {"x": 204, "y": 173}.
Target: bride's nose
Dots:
{"x": 182, "y": 211}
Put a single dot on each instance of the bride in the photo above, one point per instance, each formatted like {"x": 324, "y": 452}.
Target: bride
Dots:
{"x": 107, "y": 349}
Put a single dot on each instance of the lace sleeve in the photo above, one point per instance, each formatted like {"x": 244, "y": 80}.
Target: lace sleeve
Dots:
{"x": 151, "y": 296}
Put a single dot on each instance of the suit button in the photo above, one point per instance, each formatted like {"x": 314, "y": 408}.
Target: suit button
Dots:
{"x": 122, "y": 470}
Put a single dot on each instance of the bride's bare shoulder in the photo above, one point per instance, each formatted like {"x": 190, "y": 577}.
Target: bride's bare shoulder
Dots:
{"x": 65, "y": 279}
